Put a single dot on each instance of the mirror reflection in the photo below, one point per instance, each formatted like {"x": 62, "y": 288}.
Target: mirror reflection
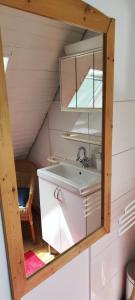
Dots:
{"x": 82, "y": 75}
{"x": 58, "y": 154}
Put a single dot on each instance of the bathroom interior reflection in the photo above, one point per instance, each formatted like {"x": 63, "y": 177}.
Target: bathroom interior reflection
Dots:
{"x": 54, "y": 76}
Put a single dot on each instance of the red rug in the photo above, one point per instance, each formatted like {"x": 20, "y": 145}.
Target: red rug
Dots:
{"x": 32, "y": 263}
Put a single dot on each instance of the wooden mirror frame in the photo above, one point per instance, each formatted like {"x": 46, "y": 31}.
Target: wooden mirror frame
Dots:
{"x": 77, "y": 13}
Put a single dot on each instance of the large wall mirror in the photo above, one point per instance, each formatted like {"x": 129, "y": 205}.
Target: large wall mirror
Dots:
{"x": 55, "y": 68}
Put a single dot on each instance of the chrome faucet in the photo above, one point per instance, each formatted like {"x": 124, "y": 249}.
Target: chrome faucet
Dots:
{"x": 83, "y": 160}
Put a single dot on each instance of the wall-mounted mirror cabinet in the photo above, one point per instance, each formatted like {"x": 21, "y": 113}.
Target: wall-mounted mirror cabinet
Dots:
{"x": 71, "y": 109}
{"x": 81, "y": 74}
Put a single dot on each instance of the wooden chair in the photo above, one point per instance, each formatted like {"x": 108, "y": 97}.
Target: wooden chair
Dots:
{"x": 26, "y": 177}
{"x": 133, "y": 294}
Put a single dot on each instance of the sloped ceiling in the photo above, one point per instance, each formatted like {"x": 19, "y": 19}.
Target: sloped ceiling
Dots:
{"x": 33, "y": 45}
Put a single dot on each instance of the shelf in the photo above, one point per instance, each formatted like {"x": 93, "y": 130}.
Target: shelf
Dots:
{"x": 78, "y": 109}
{"x": 84, "y": 138}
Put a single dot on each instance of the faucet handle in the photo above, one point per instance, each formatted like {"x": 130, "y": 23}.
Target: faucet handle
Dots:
{"x": 86, "y": 162}
{"x": 78, "y": 153}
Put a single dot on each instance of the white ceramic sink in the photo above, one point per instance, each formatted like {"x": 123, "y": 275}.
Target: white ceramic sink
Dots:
{"x": 70, "y": 177}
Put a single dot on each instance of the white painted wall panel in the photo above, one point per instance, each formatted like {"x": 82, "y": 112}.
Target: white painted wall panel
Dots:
{"x": 62, "y": 148}
{"x": 38, "y": 26}
{"x": 31, "y": 78}
{"x": 117, "y": 210}
{"x": 33, "y": 59}
{"x": 71, "y": 282}
{"x": 112, "y": 261}
{"x": 59, "y": 123}
{"x": 112, "y": 290}
{"x": 17, "y": 39}
{"x": 67, "y": 121}
{"x": 123, "y": 126}
{"x": 42, "y": 147}
{"x": 112, "y": 248}
{"x": 34, "y": 45}
{"x": 123, "y": 173}
{"x": 110, "y": 255}
{"x": 123, "y": 45}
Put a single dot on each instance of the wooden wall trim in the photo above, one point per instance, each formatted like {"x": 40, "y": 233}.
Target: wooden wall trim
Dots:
{"x": 108, "y": 123}
{"x": 8, "y": 193}
{"x": 72, "y": 11}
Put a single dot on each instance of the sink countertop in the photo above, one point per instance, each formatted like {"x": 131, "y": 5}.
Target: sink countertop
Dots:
{"x": 57, "y": 159}
{"x": 71, "y": 177}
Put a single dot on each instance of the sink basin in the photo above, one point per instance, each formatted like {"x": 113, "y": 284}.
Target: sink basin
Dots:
{"x": 70, "y": 177}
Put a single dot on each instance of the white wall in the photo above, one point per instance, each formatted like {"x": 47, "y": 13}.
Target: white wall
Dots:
{"x": 51, "y": 142}
{"x": 63, "y": 285}
{"x": 109, "y": 255}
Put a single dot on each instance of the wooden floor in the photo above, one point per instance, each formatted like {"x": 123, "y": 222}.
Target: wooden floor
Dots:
{"x": 40, "y": 248}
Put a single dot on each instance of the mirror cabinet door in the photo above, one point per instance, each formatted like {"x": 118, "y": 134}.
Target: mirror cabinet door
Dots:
{"x": 98, "y": 80}
{"x": 84, "y": 74}
{"x": 82, "y": 81}
{"x": 68, "y": 83}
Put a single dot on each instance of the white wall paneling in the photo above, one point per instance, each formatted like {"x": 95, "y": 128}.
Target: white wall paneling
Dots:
{"x": 34, "y": 45}
{"x": 123, "y": 126}
{"x": 71, "y": 282}
{"x": 42, "y": 147}
{"x": 67, "y": 121}
{"x": 123, "y": 173}
{"x": 117, "y": 210}
{"x": 123, "y": 80}
{"x": 127, "y": 219}
{"x": 82, "y": 46}
{"x": 112, "y": 261}
{"x": 61, "y": 147}
{"x": 60, "y": 122}
{"x": 110, "y": 255}
{"x": 112, "y": 290}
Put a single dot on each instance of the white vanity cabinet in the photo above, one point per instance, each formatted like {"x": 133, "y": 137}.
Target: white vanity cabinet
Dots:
{"x": 72, "y": 221}
{"x": 62, "y": 219}
{"x": 50, "y": 220}
{"x": 66, "y": 217}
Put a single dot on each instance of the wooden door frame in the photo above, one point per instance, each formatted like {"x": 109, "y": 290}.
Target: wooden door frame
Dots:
{"x": 77, "y": 13}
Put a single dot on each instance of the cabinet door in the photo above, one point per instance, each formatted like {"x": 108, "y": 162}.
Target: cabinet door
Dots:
{"x": 68, "y": 83}
{"x": 98, "y": 79}
{"x": 85, "y": 84}
{"x": 72, "y": 221}
{"x": 50, "y": 216}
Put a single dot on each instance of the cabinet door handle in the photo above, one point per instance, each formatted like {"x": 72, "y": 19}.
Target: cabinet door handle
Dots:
{"x": 59, "y": 195}
{"x": 56, "y": 193}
